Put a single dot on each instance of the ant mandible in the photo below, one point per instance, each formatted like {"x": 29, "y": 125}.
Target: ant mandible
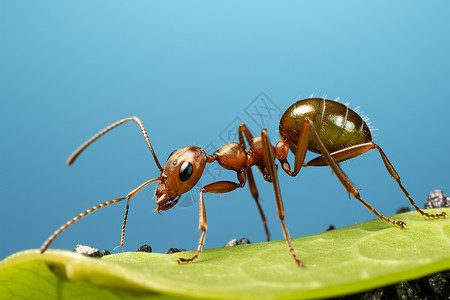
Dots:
{"x": 322, "y": 126}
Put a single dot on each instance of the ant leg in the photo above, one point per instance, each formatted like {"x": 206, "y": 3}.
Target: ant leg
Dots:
{"x": 356, "y": 150}
{"x": 248, "y": 135}
{"x": 218, "y": 187}
{"x": 348, "y": 185}
{"x": 202, "y": 226}
{"x": 282, "y": 149}
{"x": 83, "y": 214}
{"x": 254, "y": 191}
{"x": 396, "y": 177}
{"x": 251, "y": 180}
{"x": 269, "y": 161}
{"x": 342, "y": 155}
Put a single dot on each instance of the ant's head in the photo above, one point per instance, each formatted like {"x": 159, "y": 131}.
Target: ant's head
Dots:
{"x": 183, "y": 169}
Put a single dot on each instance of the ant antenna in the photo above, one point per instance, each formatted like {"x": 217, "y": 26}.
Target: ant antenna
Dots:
{"x": 77, "y": 152}
{"x": 91, "y": 210}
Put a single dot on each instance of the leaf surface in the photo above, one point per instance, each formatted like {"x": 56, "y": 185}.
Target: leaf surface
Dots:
{"x": 338, "y": 262}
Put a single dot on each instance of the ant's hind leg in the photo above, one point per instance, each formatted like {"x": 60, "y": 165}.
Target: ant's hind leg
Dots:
{"x": 251, "y": 180}
{"x": 348, "y": 185}
{"x": 396, "y": 177}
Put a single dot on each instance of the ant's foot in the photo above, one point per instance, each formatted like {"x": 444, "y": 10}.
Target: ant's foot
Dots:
{"x": 299, "y": 263}
{"x": 400, "y": 224}
{"x": 186, "y": 260}
{"x": 438, "y": 215}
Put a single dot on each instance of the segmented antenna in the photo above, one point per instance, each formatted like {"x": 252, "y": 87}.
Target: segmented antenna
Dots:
{"x": 77, "y": 152}
{"x": 91, "y": 210}
{"x": 64, "y": 227}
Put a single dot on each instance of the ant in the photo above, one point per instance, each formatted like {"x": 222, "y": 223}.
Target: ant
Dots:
{"x": 326, "y": 127}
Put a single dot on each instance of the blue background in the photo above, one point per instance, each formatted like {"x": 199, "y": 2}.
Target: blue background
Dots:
{"x": 190, "y": 70}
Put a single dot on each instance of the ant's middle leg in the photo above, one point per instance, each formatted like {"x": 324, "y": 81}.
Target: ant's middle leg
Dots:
{"x": 269, "y": 161}
{"x": 251, "y": 180}
{"x": 282, "y": 150}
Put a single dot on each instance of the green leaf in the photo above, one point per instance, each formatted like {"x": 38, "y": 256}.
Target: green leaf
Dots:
{"x": 338, "y": 262}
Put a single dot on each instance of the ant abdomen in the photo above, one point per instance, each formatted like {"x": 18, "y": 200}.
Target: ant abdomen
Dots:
{"x": 338, "y": 126}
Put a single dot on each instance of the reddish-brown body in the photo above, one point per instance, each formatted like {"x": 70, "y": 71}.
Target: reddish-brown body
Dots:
{"x": 319, "y": 125}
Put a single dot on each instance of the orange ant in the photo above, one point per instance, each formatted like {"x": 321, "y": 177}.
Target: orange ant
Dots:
{"x": 322, "y": 126}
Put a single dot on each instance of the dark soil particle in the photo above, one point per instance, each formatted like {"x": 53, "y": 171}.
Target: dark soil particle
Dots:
{"x": 144, "y": 248}
{"x": 174, "y": 250}
{"x": 433, "y": 287}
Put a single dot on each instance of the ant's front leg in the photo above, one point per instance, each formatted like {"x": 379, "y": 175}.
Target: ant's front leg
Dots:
{"x": 219, "y": 188}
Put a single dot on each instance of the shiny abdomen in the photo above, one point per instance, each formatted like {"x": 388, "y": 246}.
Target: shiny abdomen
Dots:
{"x": 338, "y": 126}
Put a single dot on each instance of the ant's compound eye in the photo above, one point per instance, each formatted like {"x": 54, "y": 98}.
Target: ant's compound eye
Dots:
{"x": 186, "y": 170}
